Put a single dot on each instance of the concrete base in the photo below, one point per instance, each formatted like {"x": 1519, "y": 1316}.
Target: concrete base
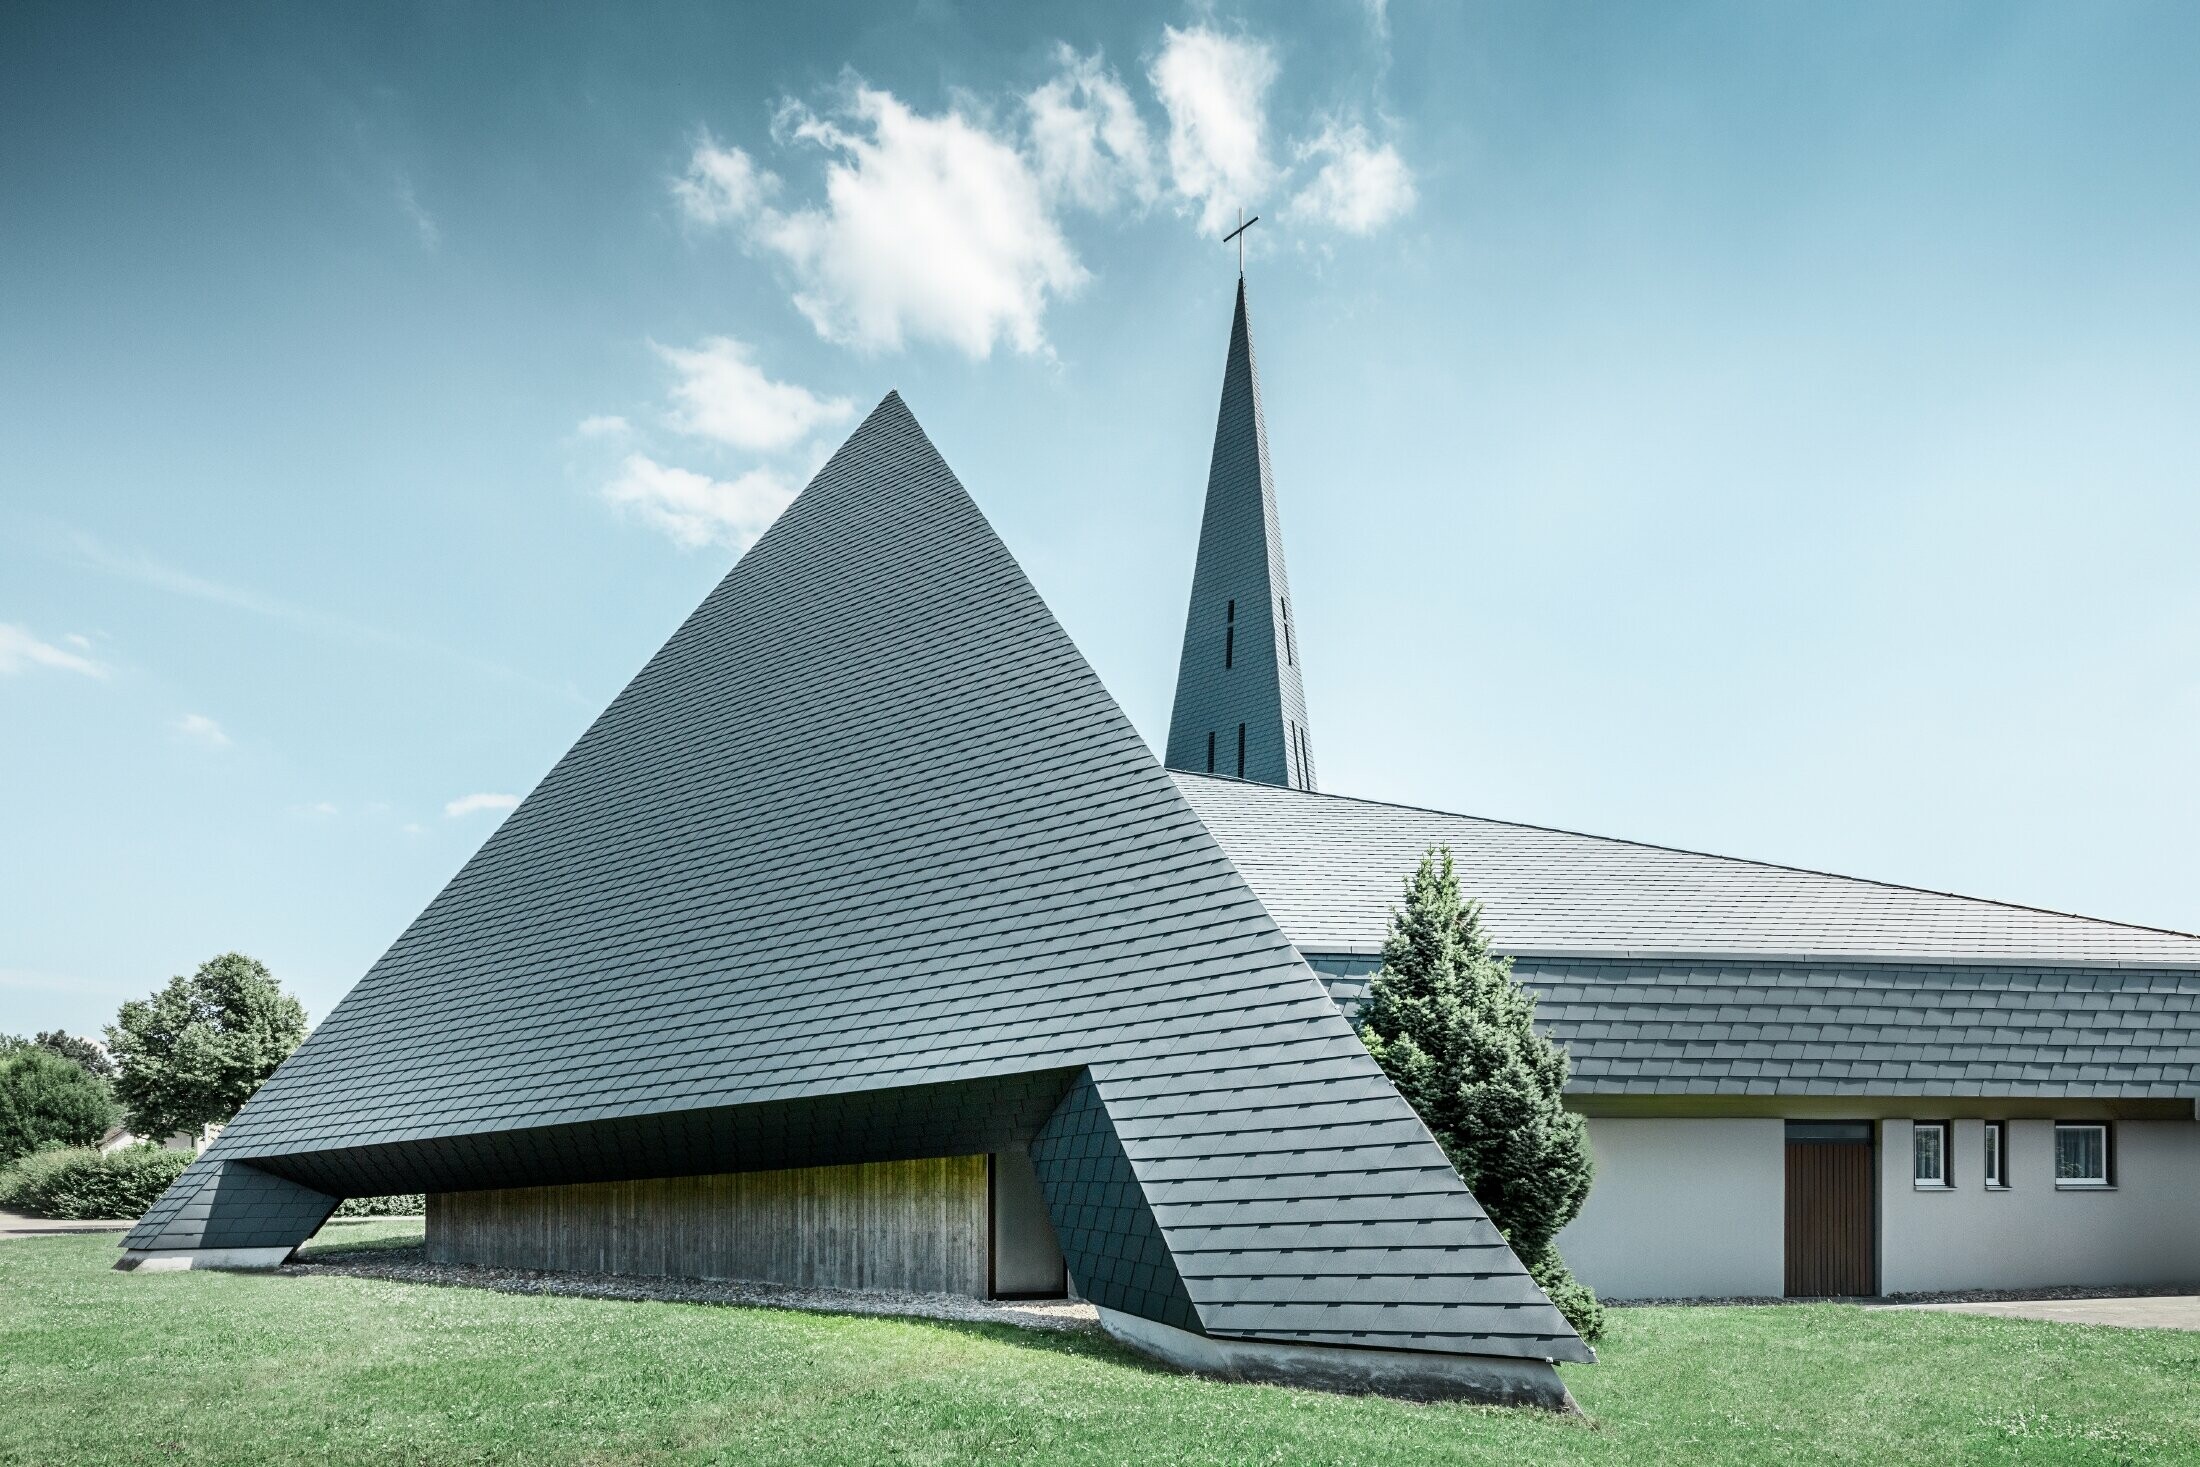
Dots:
{"x": 175, "y": 1260}
{"x": 1415, "y": 1375}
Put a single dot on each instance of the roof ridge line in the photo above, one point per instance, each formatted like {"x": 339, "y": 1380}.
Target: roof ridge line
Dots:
{"x": 1620, "y": 840}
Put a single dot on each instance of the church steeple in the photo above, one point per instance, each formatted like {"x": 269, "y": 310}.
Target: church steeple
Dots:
{"x": 1240, "y": 705}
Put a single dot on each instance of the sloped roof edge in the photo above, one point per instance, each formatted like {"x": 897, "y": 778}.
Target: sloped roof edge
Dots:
{"x": 1309, "y": 866}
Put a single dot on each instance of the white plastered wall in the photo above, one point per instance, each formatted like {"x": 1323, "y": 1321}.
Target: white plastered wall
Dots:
{"x": 2146, "y": 1230}
{"x": 1683, "y": 1208}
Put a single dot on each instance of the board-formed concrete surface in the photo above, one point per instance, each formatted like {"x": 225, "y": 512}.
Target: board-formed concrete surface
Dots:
{"x": 1413, "y": 1375}
{"x": 2159, "y": 1311}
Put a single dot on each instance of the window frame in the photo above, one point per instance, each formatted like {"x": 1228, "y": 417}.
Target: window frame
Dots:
{"x": 1994, "y": 1156}
{"x": 2107, "y": 1180}
{"x": 1946, "y": 1131}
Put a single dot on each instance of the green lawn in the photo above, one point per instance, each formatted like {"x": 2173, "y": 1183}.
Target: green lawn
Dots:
{"x": 98, "y": 1366}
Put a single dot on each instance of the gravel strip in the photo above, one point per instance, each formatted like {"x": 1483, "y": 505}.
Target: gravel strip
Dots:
{"x": 1951, "y": 1296}
{"x": 411, "y": 1266}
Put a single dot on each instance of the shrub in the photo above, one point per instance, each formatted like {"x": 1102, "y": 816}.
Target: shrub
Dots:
{"x": 46, "y": 1100}
{"x": 1569, "y": 1295}
{"x": 81, "y": 1182}
{"x": 401, "y": 1204}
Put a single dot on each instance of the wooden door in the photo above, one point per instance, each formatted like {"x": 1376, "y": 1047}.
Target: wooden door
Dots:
{"x": 1832, "y": 1212}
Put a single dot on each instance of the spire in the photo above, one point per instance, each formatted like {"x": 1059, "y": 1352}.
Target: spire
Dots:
{"x": 1240, "y": 706}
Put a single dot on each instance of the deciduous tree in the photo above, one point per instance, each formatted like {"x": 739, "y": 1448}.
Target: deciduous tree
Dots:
{"x": 194, "y": 1052}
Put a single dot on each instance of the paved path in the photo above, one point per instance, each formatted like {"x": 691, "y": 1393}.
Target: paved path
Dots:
{"x": 16, "y": 1225}
{"x": 2159, "y": 1311}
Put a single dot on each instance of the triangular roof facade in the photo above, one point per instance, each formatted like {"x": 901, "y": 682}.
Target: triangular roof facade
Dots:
{"x": 866, "y": 862}
{"x": 1240, "y": 699}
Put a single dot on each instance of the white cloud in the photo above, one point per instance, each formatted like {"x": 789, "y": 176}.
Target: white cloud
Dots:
{"x": 1378, "y": 18}
{"x": 721, "y": 394}
{"x": 722, "y": 185}
{"x": 695, "y": 509}
{"x": 932, "y": 228}
{"x": 1359, "y": 187}
{"x": 468, "y": 804}
{"x": 423, "y": 223}
{"x": 1089, "y": 143}
{"x": 412, "y": 827}
{"x": 602, "y": 425}
{"x": 20, "y": 651}
{"x": 1215, "y": 90}
{"x": 203, "y": 730}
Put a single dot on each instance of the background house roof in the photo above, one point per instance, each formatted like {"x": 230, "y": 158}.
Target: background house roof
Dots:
{"x": 1330, "y": 868}
{"x": 1674, "y": 1026}
{"x": 1672, "y": 973}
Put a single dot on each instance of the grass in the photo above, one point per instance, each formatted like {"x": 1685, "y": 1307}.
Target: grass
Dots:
{"x": 98, "y": 1366}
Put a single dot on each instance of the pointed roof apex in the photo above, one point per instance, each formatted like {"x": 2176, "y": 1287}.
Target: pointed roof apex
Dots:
{"x": 891, "y": 405}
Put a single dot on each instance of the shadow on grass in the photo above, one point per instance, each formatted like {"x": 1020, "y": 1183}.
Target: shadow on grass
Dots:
{"x": 1083, "y": 1341}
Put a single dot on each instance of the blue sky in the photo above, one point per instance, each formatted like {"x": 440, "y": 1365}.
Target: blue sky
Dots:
{"x": 1768, "y": 429}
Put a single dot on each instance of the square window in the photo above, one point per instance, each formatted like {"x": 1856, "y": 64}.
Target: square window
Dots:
{"x": 1997, "y": 1149}
{"x": 2081, "y": 1154}
{"x": 1929, "y": 1153}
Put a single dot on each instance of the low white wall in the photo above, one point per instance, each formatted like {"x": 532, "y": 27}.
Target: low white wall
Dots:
{"x": 2146, "y": 1230}
{"x": 1683, "y": 1209}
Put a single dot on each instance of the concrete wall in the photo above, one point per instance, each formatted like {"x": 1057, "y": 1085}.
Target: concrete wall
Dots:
{"x": 1027, "y": 1258}
{"x": 2145, "y": 1230}
{"x": 1683, "y": 1209}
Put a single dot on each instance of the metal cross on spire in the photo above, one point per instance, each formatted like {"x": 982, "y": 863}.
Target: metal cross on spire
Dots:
{"x": 1238, "y": 234}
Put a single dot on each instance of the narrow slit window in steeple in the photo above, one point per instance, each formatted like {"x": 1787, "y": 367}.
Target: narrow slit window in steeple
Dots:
{"x": 1229, "y": 636}
{"x": 1288, "y": 658}
{"x": 1210, "y": 751}
{"x": 1241, "y": 751}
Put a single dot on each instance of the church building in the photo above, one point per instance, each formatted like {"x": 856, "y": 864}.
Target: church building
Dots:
{"x": 862, "y": 942}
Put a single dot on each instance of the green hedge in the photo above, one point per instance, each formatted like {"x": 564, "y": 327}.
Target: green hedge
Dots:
{"x": 79, "y": 1181}
{"x": 403, "y": 1204}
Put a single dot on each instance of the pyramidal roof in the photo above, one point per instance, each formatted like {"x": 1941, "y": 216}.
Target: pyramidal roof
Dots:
{"x": 869, "y": 823}
{"x": 1240, "y": 702}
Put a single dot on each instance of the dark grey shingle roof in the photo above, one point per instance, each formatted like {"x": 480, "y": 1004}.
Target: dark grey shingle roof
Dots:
{"x": 1667, "y": 972}
{"x": 1330, "y": 868}
{"x": 868, "y": 820}
{"x": 1699, "y": 1027}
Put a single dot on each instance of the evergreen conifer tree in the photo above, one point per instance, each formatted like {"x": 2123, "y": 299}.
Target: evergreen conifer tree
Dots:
{"x": 1455, "y": 1031}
